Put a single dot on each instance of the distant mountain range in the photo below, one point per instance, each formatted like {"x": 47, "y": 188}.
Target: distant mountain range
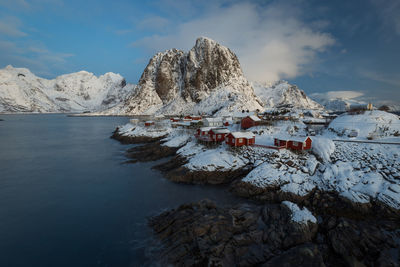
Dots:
{"x": 207, "y": 79}
{"x": 22, "y": 91}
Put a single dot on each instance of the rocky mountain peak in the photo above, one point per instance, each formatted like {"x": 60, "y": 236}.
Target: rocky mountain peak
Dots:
{"x": 174, "y": 76}
{"x": 209, "y": 65}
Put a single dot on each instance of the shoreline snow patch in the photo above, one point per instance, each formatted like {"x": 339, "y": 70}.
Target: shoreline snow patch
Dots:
{"x": 301, "y": 216}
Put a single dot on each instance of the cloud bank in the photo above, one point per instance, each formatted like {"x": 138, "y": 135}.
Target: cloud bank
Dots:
{"x": 343, "y": 95}
{"x": 272, "y": 42}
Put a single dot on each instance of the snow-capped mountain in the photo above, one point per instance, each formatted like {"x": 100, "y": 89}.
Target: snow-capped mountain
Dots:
{"x": 22, "y": 91}
{"x": 207, "y": 79}
{"x": 282, "y": 93}
{"x": 337, "y": 104}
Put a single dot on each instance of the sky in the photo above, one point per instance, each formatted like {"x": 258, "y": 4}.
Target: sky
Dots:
{"x": 347, "y": 49}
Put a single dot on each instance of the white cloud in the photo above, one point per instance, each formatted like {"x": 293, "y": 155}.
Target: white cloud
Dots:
{"x": 36, "y": 57}
{"x": 272, "y": 43}
{"x": 9, "y": 26}
{"x": 345, "y": 95}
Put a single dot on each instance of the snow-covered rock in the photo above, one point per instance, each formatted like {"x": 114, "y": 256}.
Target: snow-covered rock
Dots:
{"x": 22, "y": 91}
{"x": 302, "y": 216}
{"x": 207, "y": 79}
{"x": 282, "y": 93}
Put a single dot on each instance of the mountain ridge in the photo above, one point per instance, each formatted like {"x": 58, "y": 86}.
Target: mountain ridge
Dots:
{"x": 207, "y": 79}
{"x": 22, "y": 91}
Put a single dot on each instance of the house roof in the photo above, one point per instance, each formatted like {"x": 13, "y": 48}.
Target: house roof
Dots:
{"x": 254, "y": 118}
{"x": 183, "y": 123}
{"x": 247, "y": 135}
{"x": 213, "y": 119}
{"x": 221, "y": 131}
{"x": 149, "y": 122}
{"x": 300, "y": 139}
{"x": 206, "y": 129}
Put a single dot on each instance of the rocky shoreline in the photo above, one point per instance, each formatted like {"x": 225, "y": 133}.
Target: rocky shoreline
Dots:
{"x": 202, "y": 234}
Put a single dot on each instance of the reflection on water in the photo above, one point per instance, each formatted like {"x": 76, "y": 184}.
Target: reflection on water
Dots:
{"x": 66, "y": 199}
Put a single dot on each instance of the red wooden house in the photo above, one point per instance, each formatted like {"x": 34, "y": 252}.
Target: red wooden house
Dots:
{"x": 196, "y": 118}
{"x": 203, "y": 134}
{"x": 240, "y": 139}
{"x": 218, "y": 135}
{"x": 149, "y": 123}
{"x": 294, "y": 143}
{"x": 250, "y": 121}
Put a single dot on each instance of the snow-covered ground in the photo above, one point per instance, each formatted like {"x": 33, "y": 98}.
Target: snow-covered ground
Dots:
{"x": 371, "y": 124}
{"x": 360, "y": 172}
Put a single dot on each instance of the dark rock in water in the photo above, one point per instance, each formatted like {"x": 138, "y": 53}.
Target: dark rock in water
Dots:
{"x": 176, "y": 172}
{"x": 150, "y": 152}
{"x": 184, "y": 175}
{"x": 203, "y": 234}
{"x": 133, "y": 139}
{"x": 304, "y": 255}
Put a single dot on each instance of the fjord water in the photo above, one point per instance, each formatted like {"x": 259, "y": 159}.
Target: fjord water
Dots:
{"x": 67, "y": 199}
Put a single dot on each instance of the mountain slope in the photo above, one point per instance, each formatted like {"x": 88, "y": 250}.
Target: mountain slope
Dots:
{"x": 207, "y": 79}
{"x": 282, "y": 93}
{"x": 22, "y": 91}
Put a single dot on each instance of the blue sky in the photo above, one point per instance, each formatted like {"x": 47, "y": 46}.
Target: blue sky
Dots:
{"x": 348, "y": 46}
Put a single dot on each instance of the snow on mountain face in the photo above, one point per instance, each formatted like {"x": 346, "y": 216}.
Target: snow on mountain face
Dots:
{"x": 282, "y": 93}
{"x": 207, "y": 79}
{"x": 22, "y": 91}
{"x": 337, "y": 104}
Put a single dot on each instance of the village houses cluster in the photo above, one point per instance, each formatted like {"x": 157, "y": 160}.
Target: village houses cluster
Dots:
{"x": 211, "y": 131}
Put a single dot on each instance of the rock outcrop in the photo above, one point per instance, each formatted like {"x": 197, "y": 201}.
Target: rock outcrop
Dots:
{"x": 202, "y": 234}
{"x": 207, "y": 79}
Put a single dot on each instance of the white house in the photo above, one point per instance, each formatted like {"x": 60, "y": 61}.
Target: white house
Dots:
{"x": 212, "y": 122}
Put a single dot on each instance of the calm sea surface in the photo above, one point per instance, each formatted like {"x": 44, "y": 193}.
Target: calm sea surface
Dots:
{"x": 67, "y": 199}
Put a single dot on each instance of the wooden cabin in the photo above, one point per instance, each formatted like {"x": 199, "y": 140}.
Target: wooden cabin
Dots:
{"x": 250, "y": 121}
{"x": 294, "y": 143}
{"x": 175, "y": 119}
{"x": 237, "y": 139}
{"x": 218, "y": 135}
{"x": 148, "y": 123}
{"x": 203, "y": 134}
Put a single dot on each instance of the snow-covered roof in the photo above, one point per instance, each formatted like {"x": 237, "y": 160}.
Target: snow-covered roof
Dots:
{"x": 183, "y": 123}
{"x": 213, "y": 119}
{"x": 293, "y": 138}
{"x": 254, "y": 118}
{"x": 221, "y": 131}
{"x": 247, "y": 135}
{"x": 206, "y": 129}
{"x": 149, "y": 122}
